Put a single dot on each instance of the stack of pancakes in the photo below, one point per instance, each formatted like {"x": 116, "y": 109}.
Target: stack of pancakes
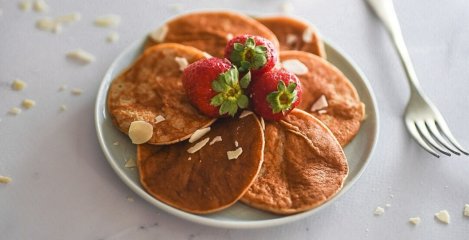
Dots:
{"x": 283, "y": 167}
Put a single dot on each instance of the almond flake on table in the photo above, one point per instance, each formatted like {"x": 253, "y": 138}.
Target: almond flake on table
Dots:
{"x": 112, "y": 37}
{"x": 198, "y": 146}
{"x": 14, "y": 111}
{"x": 176, "y": 7}
{"x": 215, "y": 140}
{"x": 234, "y": 154}
{"x": 81, "y": 56}
{"x": 130, "y": 163}
{"x": 5, "y": 179}
{"x": 159, "y": 34}
{"x": 40, "y": 6}
{"x": 378, "y": 211}
{"x": 415, "y": 220}
{"x": 28, "y": 103}
{"x": 388, "y": 205}
{"x": 320, "y": 104}
{"x": 111, "y": 20}
{"x": 76, "y": 91}
{"x": 308, "y": 35}
{"x": 182, "y": 62}
{"x": 116, "y": 143}
{"x": 291, "y": 39}
{"x": 140, "y": 132}
{"x": 130, "y": 199}
{"x": 295, "y": 66}
{"x": 69, "y": 18}
{"x": 63, "y": 108}
{"x": 18, "y": 85}
{"x": 159, "y": 119}
{"x": 443, "y": 216}
{"x": 199, "y": 133}
{"x": 24, "y": 6}
{"x": 49, "y": 25}
{"x": 286, "y": 7}
{"x": 466, "y": 210}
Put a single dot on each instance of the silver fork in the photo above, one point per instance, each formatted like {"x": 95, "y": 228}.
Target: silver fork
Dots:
{"x": 423, "y": 120}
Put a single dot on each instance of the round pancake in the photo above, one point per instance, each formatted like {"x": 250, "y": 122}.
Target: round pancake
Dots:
{"x": 345, "y": 111}
{"x": 304, "y": 166}
{"x": 152, "y": 87}
{"x": 205, "y": 181}
{"x": 210, "y": 31}
{"x": 292, "y": 33}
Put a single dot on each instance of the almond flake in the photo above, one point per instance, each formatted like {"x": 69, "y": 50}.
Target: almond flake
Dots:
{"x": 18, "y": 84}
{"x": 68, "y": 18}
{"x": 63, "y": 108}
{"x": 159, "y": 119}
{"x": 140, "y": 132}
{"x": 5, "y": 180}
{"x": 216, "y": 139}
{"x": 40, "y": 6}
{"x": 308, "y": 35}
{"x": 110, "y": 20}
{"x": 116, "y": 143}
{"x": 206, "y": 55}
{"x": 245, "y": 113}
{"x": 49, "y": 25}
{"x": 198, "y": 146}
{"x": 76, "y": 91}
{"x": 320, "y": 103}
{"x": 189, "y": 158}
{"x": 388, "y": 205}
{"x": 262, "y": 123}
{"x": 130, "y": 199}
{"x": 415, "y": 220}
{"x": 112, "y": 37}
{"x": 286, "y": 7}
{"x": 443, "y": 216}
{"x": 28, "y": 103}
{"x": 291, "y": 39}
{"x": 234, "y": 154}
{"x": 198, "y": 134}
{"x": 322, "y": 111}
{"x": 130, "y": 163}
{"x": 236, "y": 144}
{"x": 379, "y": 211}
{"x": 295, "y": 66}
{"x": 182, "y": 62}
{"x": 176, "y": 7}
{"x": 14, "y": 111}
{"x": 81, "y": 56}
{"x": 229, "y": 36}
{"x": 159, "y": 34}
{"x": 24, "y": 6}
{"x": 466, "y": 210}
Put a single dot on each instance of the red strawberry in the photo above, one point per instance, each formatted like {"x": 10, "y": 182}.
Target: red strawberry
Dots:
{"x": 251, "y": 53}
{"x": 213, "y": 86}
{"x": 275, "y": 94}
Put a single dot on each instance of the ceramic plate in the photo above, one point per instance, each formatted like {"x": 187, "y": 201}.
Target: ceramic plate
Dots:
{"x": 358, "y": 152}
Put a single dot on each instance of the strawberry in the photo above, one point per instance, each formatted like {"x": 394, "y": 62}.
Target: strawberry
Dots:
{"x": 275, "y": 94}
{"x": 251, "y": 53}
{"x": 213, "y": 86}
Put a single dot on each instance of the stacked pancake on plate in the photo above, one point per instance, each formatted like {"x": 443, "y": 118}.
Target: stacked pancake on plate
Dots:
{"x": 203, "y": 165}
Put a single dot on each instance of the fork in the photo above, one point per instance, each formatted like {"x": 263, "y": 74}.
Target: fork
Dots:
{"x": 423, "y": 120}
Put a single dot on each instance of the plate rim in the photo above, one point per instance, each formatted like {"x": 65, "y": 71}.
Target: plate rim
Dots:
{"x": 201, "y": 219}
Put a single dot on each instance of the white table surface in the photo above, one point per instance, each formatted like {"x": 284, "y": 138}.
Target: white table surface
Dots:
{"x": 63, "y": 188}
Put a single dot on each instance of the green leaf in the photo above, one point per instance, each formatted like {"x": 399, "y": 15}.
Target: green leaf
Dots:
{"x": 243, "y": 101}
{"x": 272, "y": 99}
{"x": 217, "y": 100}
{"x": 260, "y": 49}
{"x": 291, "y": 87}
{"x": 281, "y": 86}
{"x": 238, "y": 47}
{"x": 259, "y": 60}
{"x": 244, "y": 66}
{"x": 228, "y": 107}
{"x": 250, "y": 43}
{"x": 217, "y": 86}
{"x": 244, "y": 82}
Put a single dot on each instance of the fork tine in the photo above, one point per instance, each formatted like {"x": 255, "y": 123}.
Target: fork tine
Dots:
{"x": 436, "y": 133}
{"x": 414, "y": 132}
{"x": 445, "y": 129}
{"x": 426, "y": 135}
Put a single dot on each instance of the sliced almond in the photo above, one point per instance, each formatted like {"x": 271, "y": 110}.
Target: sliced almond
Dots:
{"x": 443, "y": 216}
{"x": 63, "y": 108}
{"x": 206, "y": 55}
{"x": 466, "y": 210}
{"x": 112, "y": 37}
{"x": 76, "y": 91}
{"x": 159, "y": 119}
{"x": 234, "y": 154}
{"x": 25, "y": 5}
{"x": 68, "y": 18}
{"x": 198, "y": 146}
{"x": 14, "y": 111}
{"x": 229, "y": 36}
{"x": 140, "y": 132}
{"x": 5, "y": 179}
{"x": 81, "y": 56}
{"x": 198, "y": 134}
{"x": 216, "y": 139}
{"x": 182, "y": 62}
{"x": 308, "y": 35}
{"x": 40, "y": 6}
{"x": 236, "y": 144}
{"x": 291, "y": 39}
{"x": 415, "y": 220}
{"x": 110, "y": 20}
{"x": 245, "y": 113}
{"x": 323, "y": 111}
{"x": 295, "y": 66}
{"x": 28, "y": 103}
{"x": 130, "y": 163}
{"x": 379, "y": 211}
{"x": 286, "y": 7}
{"x": 18, "y": 85}
{"x": 320, "y": 103}
{"x": 159, "y": 34}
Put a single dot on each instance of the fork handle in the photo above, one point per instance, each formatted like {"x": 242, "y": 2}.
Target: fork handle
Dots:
{"x": 385, "y": 11}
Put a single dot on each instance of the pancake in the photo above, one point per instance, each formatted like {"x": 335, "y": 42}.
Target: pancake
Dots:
{"x": 209, "y": 31}
{"x": 294, "y": 34}
{"x": 345, "y": 111}
{"x": 205, "y": 181}
{"x": 152, "y": 87}
{"x": 304, "y": 166}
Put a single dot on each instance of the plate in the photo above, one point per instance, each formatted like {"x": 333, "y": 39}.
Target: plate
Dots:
{"x": 358, "y": 152}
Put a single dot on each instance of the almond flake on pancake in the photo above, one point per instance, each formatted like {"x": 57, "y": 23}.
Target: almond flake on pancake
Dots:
{"x": 320, "y": 104}
{"x": 245, "y": 113}
{"x": 215, "y": 139}
{"x": 308, "y": 35}
{"x": 198, "y": 146}
{"x": 140, "y": 132}
{"x": 110, "y": 20}
{"x": 159, "y": 119}
{"x": 234, "y": 154}
{"x": 81, "y": 56}
{"x": 159, "y": 34}
{"x": 198, "y": 134}
{"x": 323, "y": 111}
{"x": 295, "y": 66}
{"x": 236, "y": 143}
{"x": 291, "y": 39}
{"x": 229, "y": 36}
{"x": 207, "y": 55}
{"x": 182, "y": 62}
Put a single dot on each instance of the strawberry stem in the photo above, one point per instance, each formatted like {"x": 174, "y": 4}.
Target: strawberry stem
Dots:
{"x": 248, "y": 56}
{"x": 230, "y": 91}
{"x": 282, "y": 99}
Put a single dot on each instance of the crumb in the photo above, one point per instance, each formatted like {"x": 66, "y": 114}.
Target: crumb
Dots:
{"x": 378, "y": 211}
{"x": 415, "y": 220}
{"x": 63, "y": 108}
{"x": 62, "y": 88}
{"x": 76, "y": 91}
{"x": 112, "y": 37}
{"x": 466, "y": 210}
{"x": 14, "y": 111}
{"x": 388, "y": 205}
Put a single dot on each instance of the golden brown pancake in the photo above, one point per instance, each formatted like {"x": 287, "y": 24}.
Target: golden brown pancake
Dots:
{"x": 151, "y": 87}
{"x": 345, "y": 111}
{"x": 205, "y": 181}
{"x": 210, "y": 31}
{"x": 304, "y": 166}
{"x": 294, "y": 34}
